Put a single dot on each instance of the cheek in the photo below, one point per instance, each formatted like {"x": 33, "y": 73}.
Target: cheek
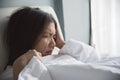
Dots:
{"x": 42, "y": 45}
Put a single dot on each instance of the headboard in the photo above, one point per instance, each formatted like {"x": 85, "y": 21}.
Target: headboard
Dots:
{"x": 4, "y": 17}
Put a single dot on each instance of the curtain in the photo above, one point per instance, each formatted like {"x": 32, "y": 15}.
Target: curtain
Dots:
{"x": 105, "y": 18}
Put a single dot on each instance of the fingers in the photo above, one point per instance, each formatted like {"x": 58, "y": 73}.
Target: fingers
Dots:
{"x": 23, "y": 60}
{"x": 59, "y": 32}
{"x": 32, "y": 53}
{"x": 59, "y": 38}
{"x": 38, "y": 54}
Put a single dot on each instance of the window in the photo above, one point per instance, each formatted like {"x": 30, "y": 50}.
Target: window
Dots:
{"x": 105, "y": 17}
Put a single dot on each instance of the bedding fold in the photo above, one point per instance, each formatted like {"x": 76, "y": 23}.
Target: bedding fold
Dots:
{"x": 75, "y": 61}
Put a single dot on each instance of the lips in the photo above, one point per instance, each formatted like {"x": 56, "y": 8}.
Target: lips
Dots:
{"x": 49, "y": 52}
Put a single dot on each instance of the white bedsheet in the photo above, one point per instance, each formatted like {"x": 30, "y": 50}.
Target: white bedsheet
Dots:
{"x": 75, "y": 61}
{"x": 65, "y": 67}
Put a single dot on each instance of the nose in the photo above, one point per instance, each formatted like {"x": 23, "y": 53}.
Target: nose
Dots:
{"x": 52, "y": 42}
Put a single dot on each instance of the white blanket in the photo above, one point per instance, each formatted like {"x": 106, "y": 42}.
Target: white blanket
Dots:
{"x": 76, "y": 61}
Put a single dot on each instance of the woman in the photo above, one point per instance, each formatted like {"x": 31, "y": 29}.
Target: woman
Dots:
{"x": 33, "y": 32}
{"x": 30, "y": 32}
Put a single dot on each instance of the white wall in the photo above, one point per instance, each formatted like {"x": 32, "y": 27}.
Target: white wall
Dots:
{"x": 14, "y": 3}
{"x": 76, "y": 19}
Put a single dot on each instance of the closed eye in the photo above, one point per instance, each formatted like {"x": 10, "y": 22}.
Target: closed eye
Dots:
{"x": 49, "y": 35}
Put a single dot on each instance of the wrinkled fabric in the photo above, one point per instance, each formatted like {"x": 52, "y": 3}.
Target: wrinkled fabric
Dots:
{"x": 75, "y": 61}
{"x": 80, "y": 51}
{"x": 35, "y": 70}
{"x": 65, "y": 67}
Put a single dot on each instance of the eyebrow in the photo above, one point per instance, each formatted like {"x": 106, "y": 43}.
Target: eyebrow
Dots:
{"x": 49, "y": 33}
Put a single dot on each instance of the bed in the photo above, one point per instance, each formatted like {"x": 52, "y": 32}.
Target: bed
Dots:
{"x": 74, "y": 62}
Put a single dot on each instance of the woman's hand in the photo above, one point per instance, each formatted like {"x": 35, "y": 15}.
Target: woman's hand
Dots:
{"x": 23, "y": 60}
{"x": 59, "y": 40}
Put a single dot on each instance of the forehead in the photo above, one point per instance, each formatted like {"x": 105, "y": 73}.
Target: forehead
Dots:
{"x": 50, "y": 28}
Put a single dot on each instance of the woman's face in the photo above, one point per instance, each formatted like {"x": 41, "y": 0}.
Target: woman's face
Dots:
{"x": 46, "y": 41}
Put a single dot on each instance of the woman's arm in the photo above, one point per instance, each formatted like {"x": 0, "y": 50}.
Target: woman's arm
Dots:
{"x": 59, "y": 40}
{"x": 22, "y": 61}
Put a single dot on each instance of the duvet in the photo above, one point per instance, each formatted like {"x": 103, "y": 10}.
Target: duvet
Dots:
{"x": 75, "y": 61}
{"x": 65, "y": 67}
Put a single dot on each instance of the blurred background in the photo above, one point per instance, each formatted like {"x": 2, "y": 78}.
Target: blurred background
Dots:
{"x": 95, "y": 22}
